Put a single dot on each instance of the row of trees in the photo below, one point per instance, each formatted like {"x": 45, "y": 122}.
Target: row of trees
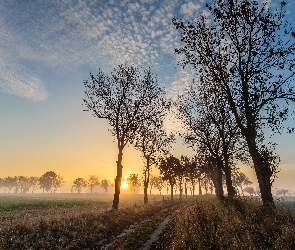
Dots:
{"x": 93, "y": 180}
{"x": 49, "y": 182}
{"x": 244, "y": 68}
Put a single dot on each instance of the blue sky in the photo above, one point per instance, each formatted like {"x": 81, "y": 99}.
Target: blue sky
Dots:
{"x": 48, "y": 48}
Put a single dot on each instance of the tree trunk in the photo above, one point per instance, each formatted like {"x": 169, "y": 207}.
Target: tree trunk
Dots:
{"x": 171, "y": 190}
{"x": 146, "y": 181}
{"x": 145, "y": 188}
{"x": 180, "y": 189}
{"x": 263, "y": 173}
{"x": 118, "y": 179}
{"x": 229, "y": 184}
{"x": 200, "y": 186}
{"x": 219, "y": 182}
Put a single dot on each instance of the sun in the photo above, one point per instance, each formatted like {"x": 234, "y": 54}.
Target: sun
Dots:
{"x": 124, "y": 184}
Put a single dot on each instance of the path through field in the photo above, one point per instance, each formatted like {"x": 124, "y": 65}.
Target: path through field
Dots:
{"x": 147, "y": 234}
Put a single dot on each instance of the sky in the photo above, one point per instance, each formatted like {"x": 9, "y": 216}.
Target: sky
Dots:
{"x": 48, "y": 48}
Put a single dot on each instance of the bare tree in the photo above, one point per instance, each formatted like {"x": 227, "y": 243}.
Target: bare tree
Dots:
{"x": 125, "y": 100}
{"x": 243, "y": 52}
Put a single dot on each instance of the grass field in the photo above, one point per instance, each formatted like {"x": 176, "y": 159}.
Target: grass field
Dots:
{"x": 68, "y": 221}
{"x": 76, "y": 221}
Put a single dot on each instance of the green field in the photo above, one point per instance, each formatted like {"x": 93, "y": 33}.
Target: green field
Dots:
{"x": 11, "y": 203}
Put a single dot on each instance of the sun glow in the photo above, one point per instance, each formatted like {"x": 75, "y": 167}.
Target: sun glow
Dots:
{"x": 124, "y": 184}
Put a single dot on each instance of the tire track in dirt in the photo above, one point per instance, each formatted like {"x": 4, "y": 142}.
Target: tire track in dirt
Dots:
{"x": 142, "y": 235}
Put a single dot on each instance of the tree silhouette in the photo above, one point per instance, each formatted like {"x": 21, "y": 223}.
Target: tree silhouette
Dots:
{"x": 125, "y": 100}
{"x": 193, "y": 172}
{"x": 93, "y": 181}
{"x": 152, "y": 140}
{"x": 246, "y": 53}
{"x": 250, "y": 190}
{"x": 169, "y": 168}
{"x": 133, "y": 182}
{"x": 105, "y": 184}
{"x": 157, "y": 182}
{"x": 33, "y": 182}
{"x": 240, "y": 180}
{"x": 10, "y": 182}
{"x": 57, "y": 182}
{"x": 50, "y": 180}
{"x": 79, "y": 183}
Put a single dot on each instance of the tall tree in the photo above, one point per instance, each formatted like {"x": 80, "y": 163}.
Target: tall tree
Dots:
{"x": 246, "y": 51}
{"x": 93, "y": 181}
{"x": 152, "y": 140}
{"x": 209, "y": 123}
{"x": 202, "y": 135}
{"x": 125, "y": 100}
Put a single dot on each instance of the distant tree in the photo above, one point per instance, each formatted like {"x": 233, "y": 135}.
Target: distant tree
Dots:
{"x": 105, "y": 184}
{"x": 282, "y": 192}
{"x": 33, "y": 182}
{"x": 245, "y": 53}
{"x": 125, "y": 100}
{"x": 192, "y": 172}
{"x": 22, "y": 184}
{"x": 93, "y": 181}
{"x": 48, "y": 180}
{"x": 58, "y": 182}
{"x": 79, "y": 183}
{"x": 133, "y": 182}
{"x": 157, "y": 182}
{"x": 169, "y": 167}
{"x": 240, "y": 180}
{"x": 10, "y": 182}
{"x": 181, "y": 171}
{"x": 250, "y": 190}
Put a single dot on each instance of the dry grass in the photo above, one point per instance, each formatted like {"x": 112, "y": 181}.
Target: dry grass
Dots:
{"x": 233, "y": 224}
{"x": 70, "y": 226}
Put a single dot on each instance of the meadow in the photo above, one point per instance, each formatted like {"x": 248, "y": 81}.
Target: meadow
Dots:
{"x": 87, "y": 221}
